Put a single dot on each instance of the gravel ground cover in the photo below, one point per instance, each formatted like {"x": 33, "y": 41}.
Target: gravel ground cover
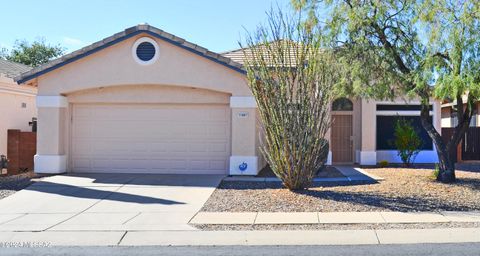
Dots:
{"x": 11, "y": 184}
{"x": 341, "y": 226}
{"x": 407, "y": 190}
{"x": 326, "y": 172}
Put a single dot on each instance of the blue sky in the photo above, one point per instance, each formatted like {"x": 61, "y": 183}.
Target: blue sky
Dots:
{"x": 214, "y": 24}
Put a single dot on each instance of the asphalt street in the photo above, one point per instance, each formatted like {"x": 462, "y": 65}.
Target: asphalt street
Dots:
{"x": 470, "y": 249}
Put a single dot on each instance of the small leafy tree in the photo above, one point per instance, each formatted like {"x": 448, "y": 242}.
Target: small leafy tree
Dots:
{"x": 406, "y": 141}
{"x": 32, "y": 54}
{"x": 292, "y": 81}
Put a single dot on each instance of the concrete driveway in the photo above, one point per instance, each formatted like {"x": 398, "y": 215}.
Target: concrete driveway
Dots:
{"x": 107, "y": 202}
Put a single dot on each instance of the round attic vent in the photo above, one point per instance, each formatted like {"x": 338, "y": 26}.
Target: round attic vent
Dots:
{"x": 145, "y": 51}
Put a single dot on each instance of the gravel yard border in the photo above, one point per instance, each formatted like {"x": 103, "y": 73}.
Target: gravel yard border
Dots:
{"x": 404, "y": 190}
{"x": 209, "y": 227}
{"x": 9, "y": 185}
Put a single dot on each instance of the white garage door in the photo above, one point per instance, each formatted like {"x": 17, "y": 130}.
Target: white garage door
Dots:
{"x": 183, "y": 138}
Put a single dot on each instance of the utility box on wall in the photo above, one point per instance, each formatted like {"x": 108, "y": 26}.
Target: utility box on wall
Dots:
{"x": 21, "y": 148}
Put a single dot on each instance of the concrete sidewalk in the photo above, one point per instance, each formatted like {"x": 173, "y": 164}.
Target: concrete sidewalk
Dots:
{"x": 232, "y": 218}
{"x": 189, "y": 238}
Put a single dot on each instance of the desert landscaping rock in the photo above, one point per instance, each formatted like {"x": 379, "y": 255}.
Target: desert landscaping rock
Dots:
{"x": 404, "y": 190}
{"x": 327, "y": 172}
{"x": 11, "y": 184}
{"x": 342, "y": 226}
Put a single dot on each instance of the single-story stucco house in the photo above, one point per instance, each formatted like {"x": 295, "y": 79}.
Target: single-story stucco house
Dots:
{"x": 17, "y": 102}
{"x": 147, "y": 101}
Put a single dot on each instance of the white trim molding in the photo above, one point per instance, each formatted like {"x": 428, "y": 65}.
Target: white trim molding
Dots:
{"x": 329, "y": 158}
{"x": 19, "y": 90}
{"x": 424, "y": 156}
{"x": 50, "y": 163}
{"x": 250, "y": 163}
{"x": 143, "y": 40}
{"x": 242, "y": 102}
{"x": 400, "y": 113}
{"x": 368, "y": 158}
{"x": 52, "y": 102}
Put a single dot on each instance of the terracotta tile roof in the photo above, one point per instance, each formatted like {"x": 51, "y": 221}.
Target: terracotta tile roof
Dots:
{"x": 12, "y": 69}
{"x": 242, "y": 55}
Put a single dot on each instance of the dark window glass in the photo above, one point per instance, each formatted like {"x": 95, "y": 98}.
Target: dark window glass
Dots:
{"x": 342, "y": 104}
{"x": 145, "y": 51}
{"x": 386, "y": 129}
{"x": 389, "y": 107}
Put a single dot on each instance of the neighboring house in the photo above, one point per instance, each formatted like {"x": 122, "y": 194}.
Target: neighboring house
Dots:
{"x": 17, "y": 102}
{"x": 449, "y": 115}
{"x": 469, "y": 148}
{"x": 144, "y": 100}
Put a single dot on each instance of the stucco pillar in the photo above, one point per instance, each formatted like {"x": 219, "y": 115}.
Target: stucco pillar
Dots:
{"x": 50, "y": 157}
{"x": 368, "y": 154}
{"x": 328, "y": 136}
{"x": 243, "y": 160}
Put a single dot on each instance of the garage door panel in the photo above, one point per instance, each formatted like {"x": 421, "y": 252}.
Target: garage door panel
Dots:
{"x": 150, "y": 138}
{"x": 217, "y": 131}
{"x": 151, "y": 166}
{"x": 148, "y": 149}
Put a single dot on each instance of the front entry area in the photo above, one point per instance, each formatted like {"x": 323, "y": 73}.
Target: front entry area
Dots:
{"x": 341, "y": 139}
{"x": 150, "y": 138}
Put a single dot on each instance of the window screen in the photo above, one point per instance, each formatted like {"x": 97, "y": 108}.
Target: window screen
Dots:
{"x": 386, "y": 128}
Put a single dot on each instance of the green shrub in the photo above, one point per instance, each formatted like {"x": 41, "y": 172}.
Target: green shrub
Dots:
{"x": 383, "y": 163}
{"x": 406, "y": 140}
{"x": 436, "y": 172}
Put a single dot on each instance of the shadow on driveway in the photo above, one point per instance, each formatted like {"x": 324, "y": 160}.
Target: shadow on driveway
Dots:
{"x": 91, "y": 193}
{"x": 173, "y": 180}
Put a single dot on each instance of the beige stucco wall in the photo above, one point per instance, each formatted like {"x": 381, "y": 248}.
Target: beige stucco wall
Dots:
{"x": 369, "y": 115}
{"x": 244, "y": 131}
{"x": 12, "y": 114}
{"x": 116, "y": 66}
{"x": 51, "y": 131}
{"x": 368, "y": 127}
{"x": 369, "y": 154}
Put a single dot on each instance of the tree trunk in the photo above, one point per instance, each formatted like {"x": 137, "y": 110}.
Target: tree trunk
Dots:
{"x": 445, "y": 164}
{"x": 446, "y": 167}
